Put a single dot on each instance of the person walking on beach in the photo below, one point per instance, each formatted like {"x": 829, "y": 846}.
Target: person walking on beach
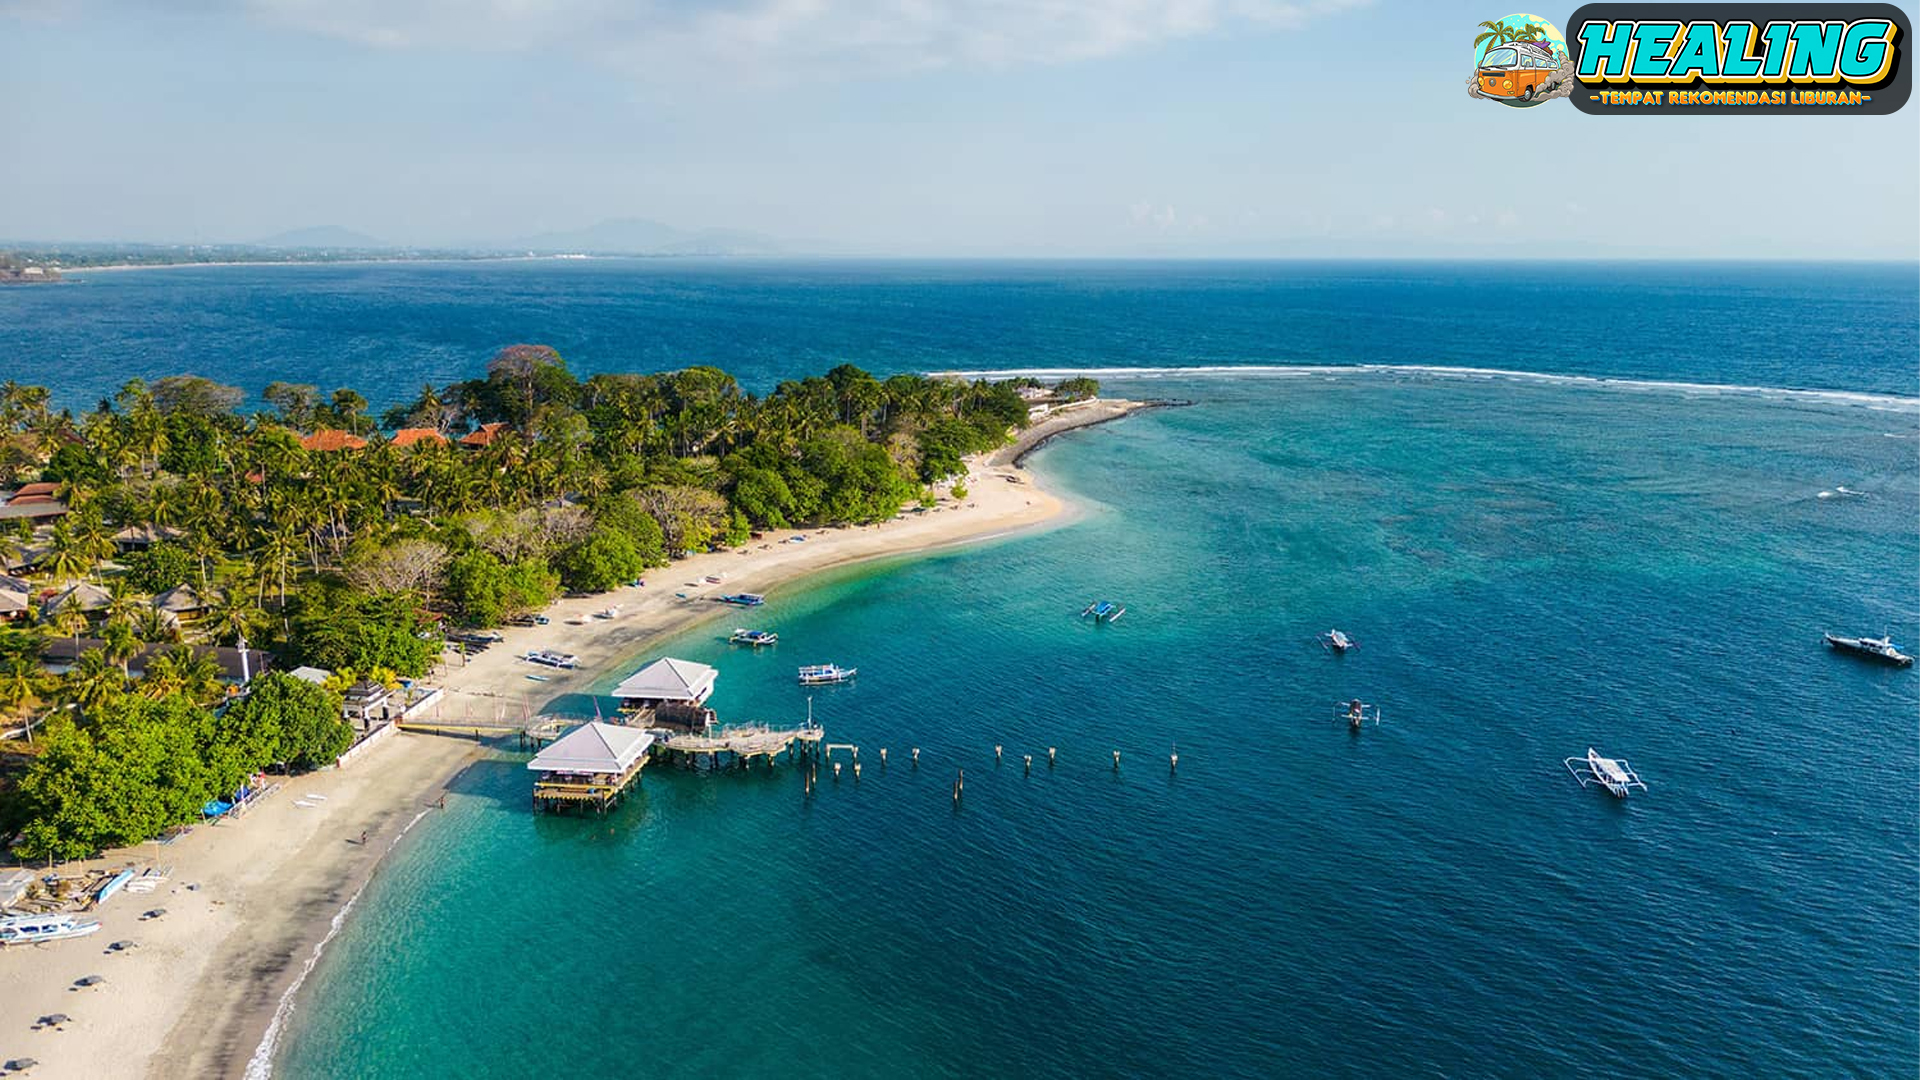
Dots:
{"x": 363, "y": 838}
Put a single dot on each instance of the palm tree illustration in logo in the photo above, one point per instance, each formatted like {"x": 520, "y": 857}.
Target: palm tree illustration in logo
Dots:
{"x": 1499, "y": 33}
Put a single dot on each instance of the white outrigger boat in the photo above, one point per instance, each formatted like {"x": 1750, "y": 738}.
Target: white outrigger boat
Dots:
{"x": 756, "y": 638}
{"x": 1614, "y": 774}
{"x": 34, "y": 929}
{"x": 825, "y": 674}
{"x": 549, "y": 658}
{"x": 1338, "y": 641}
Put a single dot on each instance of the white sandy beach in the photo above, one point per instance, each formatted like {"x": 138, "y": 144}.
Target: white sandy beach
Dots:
{"x": 248, "y": 900}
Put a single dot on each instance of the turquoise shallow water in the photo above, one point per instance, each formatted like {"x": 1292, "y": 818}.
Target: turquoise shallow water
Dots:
{"x": 1532, "y": 568}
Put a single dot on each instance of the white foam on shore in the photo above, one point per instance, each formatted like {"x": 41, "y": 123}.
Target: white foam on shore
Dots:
{"x": 260, "y": 1065}
{"x": 1888, "y": 402}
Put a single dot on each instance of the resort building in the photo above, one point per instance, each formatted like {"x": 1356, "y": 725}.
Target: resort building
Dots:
{"x": 670, "y": 693}
{"x": 367, "y": 701}
{"x": 412, "y": 436}
{"x": 237, "y": 666}
{"x": 592, "y": 765}
{"x": 180, "y": 600}
{"x": 483, "y": 437}
{"x": 34, "y": 502}
{"x": 84, "y": 596}
{"x": 141, "y": 537}
{"x": 327, "y": 440}
{"x": 314, "y": 675}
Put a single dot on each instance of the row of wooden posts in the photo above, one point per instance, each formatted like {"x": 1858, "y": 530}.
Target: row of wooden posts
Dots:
{"x": 812, "y": 766}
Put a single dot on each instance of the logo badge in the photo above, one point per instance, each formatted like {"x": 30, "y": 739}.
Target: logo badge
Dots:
{"x": 1740, "y": 58}
{"x": 1520, "y": 61}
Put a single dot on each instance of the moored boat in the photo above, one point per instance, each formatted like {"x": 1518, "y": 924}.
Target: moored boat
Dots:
{"x": 33, "y": 929}
{"x": 1613, "y": 774}
{"x": 825, "y": 674}
{"x": 745, "y": 599}
{"x": 1338, "y": 641}
{"x": 755, "y": 638}
{"x": 1881, "y": 648}
{"x": 549, "y": 658}
{"x": 1103, "y": 611}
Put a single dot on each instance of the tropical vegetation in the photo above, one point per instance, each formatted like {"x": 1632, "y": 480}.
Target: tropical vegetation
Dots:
{"x": 335, "y": 536}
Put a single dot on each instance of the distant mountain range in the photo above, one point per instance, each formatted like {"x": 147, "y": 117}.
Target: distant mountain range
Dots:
{"x": 323, "y": 236}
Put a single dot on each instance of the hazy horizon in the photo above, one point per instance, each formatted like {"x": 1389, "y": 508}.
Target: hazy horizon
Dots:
{"x": 882, "y": 128}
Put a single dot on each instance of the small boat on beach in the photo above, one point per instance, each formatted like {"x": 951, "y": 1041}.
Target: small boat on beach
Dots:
{"x": 608, "y": 613}
{"x": 744, "y": 599}
{"x": 34, "y": 929}
{"x": 1103, "y": 611}
{"x": 825, "y": 674}
{"x": 549, "y": 658}
{"x": 1613, "y": 774}
{"x": 756, "y": 638}
{"x": 1338, "y": 641}
{"x": 1881, "y": 648}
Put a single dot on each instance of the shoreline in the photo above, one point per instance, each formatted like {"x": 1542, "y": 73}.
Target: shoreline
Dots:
{"x": 252, "y": 903}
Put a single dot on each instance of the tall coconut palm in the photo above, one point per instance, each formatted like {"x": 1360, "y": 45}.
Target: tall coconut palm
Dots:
{"x": 232, "y": 617}
{"x": 23, "y": 682}
{"x": 120, "y": 643}
{"x": 93, "y": 681}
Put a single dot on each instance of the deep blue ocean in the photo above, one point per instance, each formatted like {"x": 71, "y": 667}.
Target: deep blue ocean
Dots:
{"x": 387, "y": 328}
{"x": 1532, "y": 567}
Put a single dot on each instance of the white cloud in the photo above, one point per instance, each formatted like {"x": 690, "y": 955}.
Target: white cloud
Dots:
{"x": 770, "y": 39}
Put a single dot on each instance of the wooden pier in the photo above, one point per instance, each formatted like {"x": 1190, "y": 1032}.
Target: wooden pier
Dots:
{"x": 734, "y": 745}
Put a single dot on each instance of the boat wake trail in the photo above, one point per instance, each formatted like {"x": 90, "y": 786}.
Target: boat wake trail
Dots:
{"x": 1891, "y": 402}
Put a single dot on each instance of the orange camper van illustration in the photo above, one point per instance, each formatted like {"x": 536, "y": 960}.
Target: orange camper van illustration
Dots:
{"x": 1517, "y": 69}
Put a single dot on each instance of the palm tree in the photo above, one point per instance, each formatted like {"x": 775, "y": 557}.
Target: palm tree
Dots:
{"x": 67, "y": 558}
{"x": 1496, "y": 34}
{"x": 121, "y": 644}
{"x": 22, "y": 682}
{"x": 156, "y": 627}
{"x": 94, "y": 680}
{"x": 232, "y": 616}
{"x": 181, "y": 670}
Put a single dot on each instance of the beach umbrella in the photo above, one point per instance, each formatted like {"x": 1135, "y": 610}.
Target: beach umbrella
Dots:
{"x": 90, "y": 980}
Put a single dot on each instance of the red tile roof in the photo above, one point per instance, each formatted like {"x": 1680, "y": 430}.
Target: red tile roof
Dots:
{"x": 485, "y": 436}
{"x": 329, "y": 439}
{"x": 406, "y": 437}
{"x": 37, "y": 488}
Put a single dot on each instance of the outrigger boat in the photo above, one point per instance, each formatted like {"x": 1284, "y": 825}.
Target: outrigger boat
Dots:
{"x": 1880, "y": 648}
{"x": 1357, "y": 713}
{"x": 1338, "y": 641}
{"x": 550, "y": 658}
{"x": 34, "y": 929}
{"x": 756, "y": 638}
{"x": 825, "y": 674}
{"x": 1103, "y": 611}
{"x": 745, "y": 599}
{"x": 1614, "y": 774}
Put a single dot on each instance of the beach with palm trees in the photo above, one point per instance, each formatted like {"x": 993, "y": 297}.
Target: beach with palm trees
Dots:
{"x": 247, "y": 901}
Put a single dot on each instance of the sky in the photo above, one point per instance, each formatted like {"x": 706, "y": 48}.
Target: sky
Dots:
{"x": 901, "y": 127}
